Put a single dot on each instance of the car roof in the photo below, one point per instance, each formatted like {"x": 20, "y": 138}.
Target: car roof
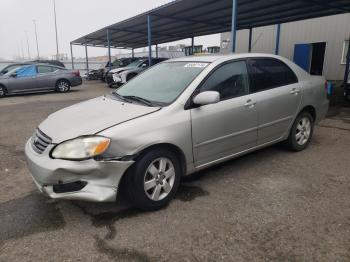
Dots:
{"x": 218, "y": 58}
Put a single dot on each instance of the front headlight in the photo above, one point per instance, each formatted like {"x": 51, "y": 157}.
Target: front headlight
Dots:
{"x": 81, "y": 148}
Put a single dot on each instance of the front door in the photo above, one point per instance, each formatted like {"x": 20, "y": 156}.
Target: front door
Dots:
{"x": 25, "y": 80}
{"x": 278, "y": 96}
{"x": 230, "y": 126}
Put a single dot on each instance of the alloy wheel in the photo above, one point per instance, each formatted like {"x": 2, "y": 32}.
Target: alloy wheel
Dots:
{"x": 303, "y": 131}
{"x": 159, "y": 179}
{"x": 63, "y": 86}
{"x": 2, "y": 91}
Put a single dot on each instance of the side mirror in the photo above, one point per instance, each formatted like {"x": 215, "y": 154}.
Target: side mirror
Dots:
{"x": 143, "y": 65}
{"x": 14, "y": 75}
{"x": 207, "y": 98}
{"x": 5, "y": 72}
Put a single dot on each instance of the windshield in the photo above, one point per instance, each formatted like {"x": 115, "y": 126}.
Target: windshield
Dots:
{"x": 136, "y": 63}
{"x": 14, "y": 70}
{"x": 162, "y": 83}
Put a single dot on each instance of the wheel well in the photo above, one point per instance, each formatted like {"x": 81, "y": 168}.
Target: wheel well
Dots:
{"x": 176, "y": 150}
{"x": 61, "y": 80}
{"x": 311, "y": 110}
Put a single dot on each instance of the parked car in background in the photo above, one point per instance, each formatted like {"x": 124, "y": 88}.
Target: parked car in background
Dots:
{"x": 15, "y": 65}
{"x": 120, "y": 76}
{"x": 38, "y": 77}
{"x": 94, "y": 74}
{"x": 118, "y": 63}
{"x": 174, "y": 119}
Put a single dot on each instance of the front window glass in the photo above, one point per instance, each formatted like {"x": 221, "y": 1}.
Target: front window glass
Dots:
{"x": 162, "y": 83}
{"x": 230, "y": 80}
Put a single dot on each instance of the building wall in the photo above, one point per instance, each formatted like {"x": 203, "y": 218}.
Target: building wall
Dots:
{"x": 333, "y": 30}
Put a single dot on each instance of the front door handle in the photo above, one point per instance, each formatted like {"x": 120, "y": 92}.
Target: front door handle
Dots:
{"x": 250, "y": 103}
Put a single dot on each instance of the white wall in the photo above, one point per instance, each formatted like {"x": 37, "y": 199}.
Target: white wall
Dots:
{"x": 333, "y": 30}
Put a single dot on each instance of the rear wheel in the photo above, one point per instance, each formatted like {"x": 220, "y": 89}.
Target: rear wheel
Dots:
{"x": 154, "y": 179}
{"x": 2, "y": 91}
{"x": 301, "y": 133}
{"x": 62, "y": 86}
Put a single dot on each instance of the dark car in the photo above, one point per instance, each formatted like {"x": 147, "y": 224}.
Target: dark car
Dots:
{"x": 118, "y": 63}
{"x": 120, "y": 76}
{"x": 38, "y": 77}
{"x": 50, "y": 62}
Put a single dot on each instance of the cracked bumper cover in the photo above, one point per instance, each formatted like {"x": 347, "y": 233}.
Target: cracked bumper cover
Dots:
{"x": 102, "y": 177}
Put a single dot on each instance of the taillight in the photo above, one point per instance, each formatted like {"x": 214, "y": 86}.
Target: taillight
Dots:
{"x": 76, "y": 73}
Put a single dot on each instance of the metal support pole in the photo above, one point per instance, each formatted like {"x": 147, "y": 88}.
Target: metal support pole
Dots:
{"x": 54, "y": 11}
{"x": 250, "y": 40}
{"x": 192, "y": 48}
{"x": 234, "y": 25}
{"x": 149, "y": 20}
{"x": 278, "y": 36}
{"x": 71, "y": 54}
{"x": 109, "y": 50}
{"x": 87, "y": 59}
{"x": 347, "y": 69}
{"x": 133, "y": 53}
{"x": 157, "y": 50}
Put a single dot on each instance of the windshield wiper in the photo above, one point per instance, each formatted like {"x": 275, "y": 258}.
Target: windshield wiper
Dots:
{"x": 139, "y": 99}
{"x": 120, "y": 97}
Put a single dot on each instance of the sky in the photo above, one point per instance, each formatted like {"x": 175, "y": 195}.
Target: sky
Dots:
{"x": 75, "y": 18}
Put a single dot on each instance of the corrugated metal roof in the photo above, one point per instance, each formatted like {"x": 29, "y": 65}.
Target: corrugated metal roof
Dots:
{"x": 182, "y": 19}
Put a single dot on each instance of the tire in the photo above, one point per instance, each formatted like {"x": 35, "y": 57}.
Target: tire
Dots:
{"x": 3, "y": 91}
{"x": 301, "y": 132}
{"x": 63, "y": 86}
{"x": 149, "y": 186}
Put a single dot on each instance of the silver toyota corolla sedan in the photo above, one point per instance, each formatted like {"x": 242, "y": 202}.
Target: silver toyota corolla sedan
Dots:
{"x": 174, "y": 119}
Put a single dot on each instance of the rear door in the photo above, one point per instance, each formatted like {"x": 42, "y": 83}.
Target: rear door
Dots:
{"x": 230, "y": 126}
{"x": 278, "y": 96}
{"x": 45, "y": 77}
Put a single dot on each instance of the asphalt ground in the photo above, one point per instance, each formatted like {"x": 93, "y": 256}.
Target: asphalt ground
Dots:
{"x": 271, "y": 205}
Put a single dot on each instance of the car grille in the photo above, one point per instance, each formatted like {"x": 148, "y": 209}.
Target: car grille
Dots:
{"x": 40, "y": 141}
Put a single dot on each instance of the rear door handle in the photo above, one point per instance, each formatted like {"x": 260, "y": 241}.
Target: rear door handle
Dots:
{"x": 295, "y": 91}
{"x": 250, "y": 103}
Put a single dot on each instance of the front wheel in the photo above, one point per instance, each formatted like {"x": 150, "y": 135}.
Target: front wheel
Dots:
{"x": 62, "y": 86}
{"x": 301, "y": 133}
{"x": 154, "y": 179}
{"x": 2, "y": 91}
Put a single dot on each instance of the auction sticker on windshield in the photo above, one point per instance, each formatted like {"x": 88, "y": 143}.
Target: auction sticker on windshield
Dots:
{"x": 197, "y": 65}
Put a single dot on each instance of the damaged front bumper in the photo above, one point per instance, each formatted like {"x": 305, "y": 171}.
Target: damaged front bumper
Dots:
{"x": 88, "y": 180}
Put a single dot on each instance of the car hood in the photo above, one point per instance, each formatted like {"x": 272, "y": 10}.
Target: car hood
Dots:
{"x": 119, "y": 70}
{"x": 91, "y": 117}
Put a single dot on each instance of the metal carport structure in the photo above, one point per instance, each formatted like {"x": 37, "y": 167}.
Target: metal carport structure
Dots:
{"x": 181, "y": 19}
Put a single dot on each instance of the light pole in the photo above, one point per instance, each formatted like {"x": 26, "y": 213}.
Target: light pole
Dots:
{"x": 54, "y": 10}
{"x": 36, "y": 37}
{"x": 27, "y": 44}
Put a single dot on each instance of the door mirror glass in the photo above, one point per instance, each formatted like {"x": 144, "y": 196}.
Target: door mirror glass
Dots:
{"x": 207, "y": 98}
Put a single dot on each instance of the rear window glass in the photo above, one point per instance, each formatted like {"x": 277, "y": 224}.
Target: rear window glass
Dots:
{"x": 271, "y": 73}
